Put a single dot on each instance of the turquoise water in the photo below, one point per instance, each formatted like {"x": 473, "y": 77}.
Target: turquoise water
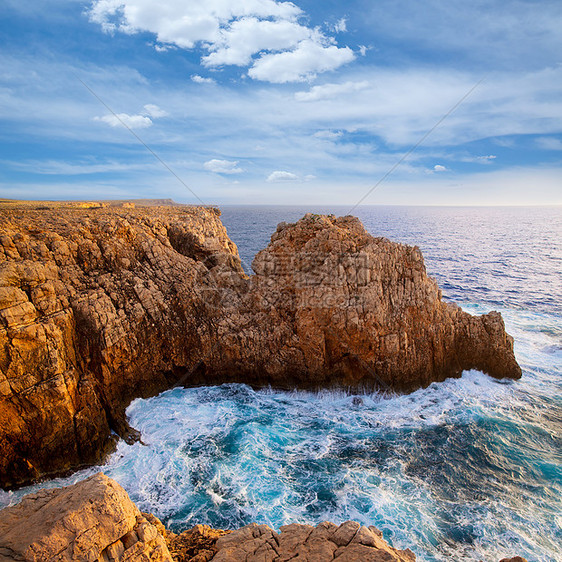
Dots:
{"x": 469, "y": 469}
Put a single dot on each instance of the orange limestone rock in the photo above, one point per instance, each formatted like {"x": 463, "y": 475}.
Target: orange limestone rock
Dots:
{"x": 100, "y": 306}
{"x": 337, "y": 306}
{"x": 92, "y": 521}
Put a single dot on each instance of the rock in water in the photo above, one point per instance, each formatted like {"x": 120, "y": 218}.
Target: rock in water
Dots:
{"x": 337, "y": 306}
{"x": 100, "y": 306}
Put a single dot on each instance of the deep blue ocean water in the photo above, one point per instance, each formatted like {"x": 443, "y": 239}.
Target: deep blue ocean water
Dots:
{"x": 468, "y": 469}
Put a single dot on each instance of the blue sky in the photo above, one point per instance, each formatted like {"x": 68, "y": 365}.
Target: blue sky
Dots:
{"x": 262, "y": 101}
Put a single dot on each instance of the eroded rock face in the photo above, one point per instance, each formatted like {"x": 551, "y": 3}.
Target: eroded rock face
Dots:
{"x": 330, "y": 305}
{"x": 100, "y": 306}
{"x": 97, "y": 307}
{"x": 91, "y": 521}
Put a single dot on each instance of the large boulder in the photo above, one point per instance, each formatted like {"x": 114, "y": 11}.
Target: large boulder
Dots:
{"x": 91, "y": 521}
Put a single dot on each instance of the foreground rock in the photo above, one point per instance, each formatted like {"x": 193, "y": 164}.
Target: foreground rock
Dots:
{"x": 349, "y": 542}
{"x": 95, "y": 521}
{"x": 102, "y": 305}
{"x": 90, "y": 521}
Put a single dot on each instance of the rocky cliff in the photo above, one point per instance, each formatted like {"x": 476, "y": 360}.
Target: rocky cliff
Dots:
{"x": 102, "y": 305}
{"x": 95, "y": 521}
{"x": 330, "y": 305}
{"x": 97, "y": 307}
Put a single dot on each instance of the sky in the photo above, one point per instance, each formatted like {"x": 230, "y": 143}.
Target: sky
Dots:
{"x": 441, "y": 102}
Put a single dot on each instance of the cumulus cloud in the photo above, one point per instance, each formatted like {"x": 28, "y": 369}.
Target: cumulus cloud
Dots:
{"x": 248, "y": 36}
{"x": 130, "y": 121}
{"x": 300, "y": 64}
{"x": 280, "y": 176}
{"x": 327, "y": 91}
{"x": 265, "y": 35}
{"x": 201, "y": 80}
{"x": 439, "y": 168}
{"x": 142, "y": 120}
{"x": 222, "y": 166}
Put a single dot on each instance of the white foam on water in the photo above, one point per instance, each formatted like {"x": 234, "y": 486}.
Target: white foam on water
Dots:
{"x": 465, "y": 469}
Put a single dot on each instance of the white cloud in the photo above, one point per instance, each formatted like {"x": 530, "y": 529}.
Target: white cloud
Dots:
{"x": 301, "y": 64}
{"x": 479, "y": 159}
{"x": 124, "y": 119}
{"x": 439, "y": 168}
{"x": 279, "y": 176}
{"x": 327, "y": 91}
{"x": 231, "y": 33}
{"x": 340, "y": 26}
{"x": 222, "y": 167}
{"x": 140, "y": 121}
{"x": 328, "y": 135}
{"x": 201, "y": 80}
{"x": 159, "y": 48}
{"x": 154, "y": 111}
{"x": 247, "y": 36}
{"x": 549, "y": 143}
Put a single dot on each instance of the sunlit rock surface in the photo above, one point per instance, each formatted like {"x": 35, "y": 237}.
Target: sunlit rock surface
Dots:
{"x": 102, "y": 305}
{"x": 348, "y": 542}
{"x": 330, "y": 305}
{"x": 89, "y": 521}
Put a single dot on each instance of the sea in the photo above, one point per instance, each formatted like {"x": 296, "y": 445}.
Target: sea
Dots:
{"x": 466, "y": 469}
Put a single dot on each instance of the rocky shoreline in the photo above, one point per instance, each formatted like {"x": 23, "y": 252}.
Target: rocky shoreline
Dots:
{"x": 95, "y": 521}
{"x": 99, "y": 306}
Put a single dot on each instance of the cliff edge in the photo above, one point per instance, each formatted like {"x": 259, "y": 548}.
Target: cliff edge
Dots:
{"x": 102, "y": 305}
